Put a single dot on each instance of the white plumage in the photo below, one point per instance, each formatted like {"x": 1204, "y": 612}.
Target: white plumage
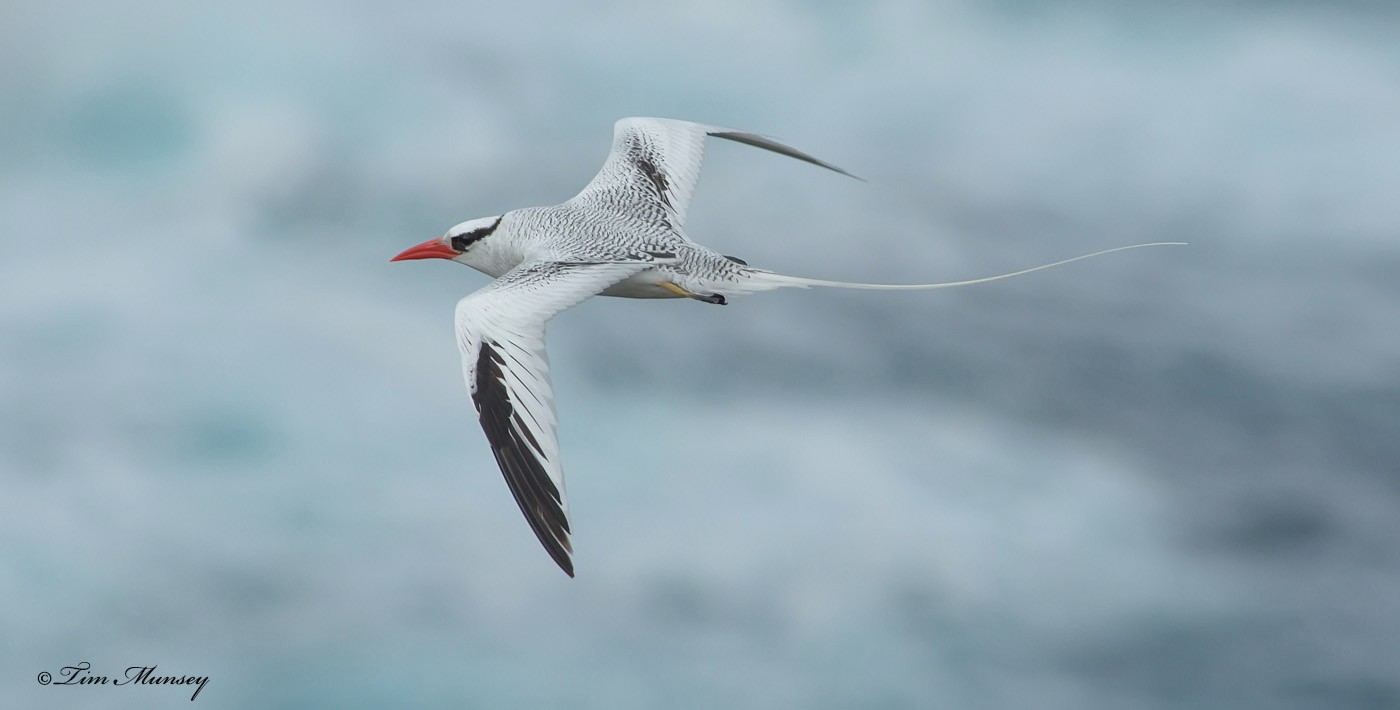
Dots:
{"x": 622, "y": 235}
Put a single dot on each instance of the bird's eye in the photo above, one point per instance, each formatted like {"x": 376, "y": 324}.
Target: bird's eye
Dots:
{"x": 462, "y": 241}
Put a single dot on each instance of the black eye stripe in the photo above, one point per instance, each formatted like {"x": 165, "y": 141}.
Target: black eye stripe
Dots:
{"x": 462, "y": 241}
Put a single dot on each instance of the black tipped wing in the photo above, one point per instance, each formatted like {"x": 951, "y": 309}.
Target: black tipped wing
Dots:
{"x": 766, "y": 143}
{"x": 520, "y": 457}
{"x": 500, "y": 330}
{"x": 655, "y": 164}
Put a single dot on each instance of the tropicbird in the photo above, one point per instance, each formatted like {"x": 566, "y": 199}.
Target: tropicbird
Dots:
{"x": 621, "y": 236}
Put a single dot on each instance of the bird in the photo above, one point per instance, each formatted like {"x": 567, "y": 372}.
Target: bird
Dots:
{"x": 623, "y": 235}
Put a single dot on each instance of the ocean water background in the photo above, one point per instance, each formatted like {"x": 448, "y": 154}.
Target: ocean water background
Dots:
{"x": 234, "y": 440}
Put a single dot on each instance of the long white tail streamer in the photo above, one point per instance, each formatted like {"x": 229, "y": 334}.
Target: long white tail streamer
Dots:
{"x": 764, "y": 280}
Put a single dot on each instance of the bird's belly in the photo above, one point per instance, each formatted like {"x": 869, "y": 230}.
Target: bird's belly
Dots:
{"x": 643, "y": 285}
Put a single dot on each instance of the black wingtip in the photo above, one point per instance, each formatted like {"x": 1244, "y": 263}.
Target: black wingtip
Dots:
{"x": 765, "y": 143}
{"x": 560, "y": 554}
{"x": 517, "y": 454}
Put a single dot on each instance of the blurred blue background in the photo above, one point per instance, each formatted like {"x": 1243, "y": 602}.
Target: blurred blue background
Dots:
{"x": 235, "y": 440}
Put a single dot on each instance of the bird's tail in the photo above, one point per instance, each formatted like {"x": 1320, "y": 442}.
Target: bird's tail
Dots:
{"x": 761, "y": 280}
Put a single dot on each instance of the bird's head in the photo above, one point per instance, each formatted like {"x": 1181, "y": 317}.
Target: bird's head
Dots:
{"x": 457, "y": 242}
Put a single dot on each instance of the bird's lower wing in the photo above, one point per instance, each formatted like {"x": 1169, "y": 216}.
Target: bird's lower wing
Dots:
{"x": 500, "y": 330}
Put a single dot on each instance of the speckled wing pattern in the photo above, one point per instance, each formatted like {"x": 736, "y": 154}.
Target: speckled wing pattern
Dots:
{"x": 500, "y": 330}
{"x": 655, "y": 162}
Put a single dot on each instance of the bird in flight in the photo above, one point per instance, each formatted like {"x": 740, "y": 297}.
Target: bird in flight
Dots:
{"x": 622, "y": 236}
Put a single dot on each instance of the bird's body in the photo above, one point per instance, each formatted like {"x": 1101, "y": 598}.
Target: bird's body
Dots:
{"x": 573, "y": 232}
{"x": 623, "y": 235}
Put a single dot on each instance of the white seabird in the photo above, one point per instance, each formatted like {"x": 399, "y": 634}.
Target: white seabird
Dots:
{"x": 621, "y": 236}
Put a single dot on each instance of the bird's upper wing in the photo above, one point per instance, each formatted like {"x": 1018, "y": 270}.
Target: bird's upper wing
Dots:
{"x": 655, "y": 163}
{"x": 500, "y": 330}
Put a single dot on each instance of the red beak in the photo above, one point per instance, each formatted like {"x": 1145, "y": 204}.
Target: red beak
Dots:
{"x": 431, "y": 249}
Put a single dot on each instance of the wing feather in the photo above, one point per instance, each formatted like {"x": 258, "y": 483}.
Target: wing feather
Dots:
{"x": 655, "y": 162}
{"x": 500, "y": 330}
